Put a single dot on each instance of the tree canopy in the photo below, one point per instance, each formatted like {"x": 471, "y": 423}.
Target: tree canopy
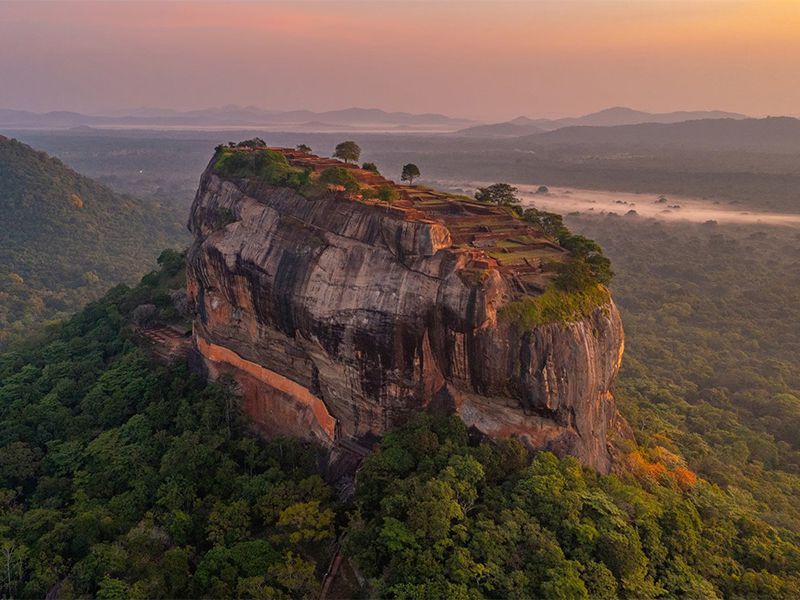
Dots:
{"x": 66, "y": 239}
{"x": 347, "y": 151}
{"x": 503, "y": 194}
{"x": 387, "y": 193}
{"x": 410, "y": 173}
{"x": 267, "y": 165}
{"x": 339, "y": 177}
{"x": 255, "y": 142}
{"x": 121, "y": 479}
{"x": 439, "y": 515}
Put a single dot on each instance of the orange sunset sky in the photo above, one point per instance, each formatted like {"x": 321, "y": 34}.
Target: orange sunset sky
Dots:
{"x": 481, "y": 59}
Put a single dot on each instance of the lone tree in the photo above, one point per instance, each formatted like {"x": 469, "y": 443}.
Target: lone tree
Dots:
{"x": 304, "y": 148}
{"x": 410, "y": 173}
{"x": 347, "y": 151}
{"x": 498, "y": 193}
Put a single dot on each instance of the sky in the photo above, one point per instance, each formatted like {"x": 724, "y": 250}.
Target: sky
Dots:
{"x": 480, "y": 59}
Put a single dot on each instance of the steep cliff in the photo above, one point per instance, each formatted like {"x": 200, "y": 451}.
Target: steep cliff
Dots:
{"x": 339, "y": 315}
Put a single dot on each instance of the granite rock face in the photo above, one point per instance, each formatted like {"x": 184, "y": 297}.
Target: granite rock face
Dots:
{"x": 339, "y": 318}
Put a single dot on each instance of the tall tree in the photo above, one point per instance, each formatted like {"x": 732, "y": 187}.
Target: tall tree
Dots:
{"x": 347, "y": 151}
{"x": 410, "y": 173}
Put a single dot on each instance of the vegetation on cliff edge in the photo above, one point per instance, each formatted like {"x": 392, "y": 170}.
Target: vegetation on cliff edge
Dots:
{"x": 264, "y": 164}
{"x": 587, "y": 267}
{"x": 579, "y": 285}
{"x": 555, "y": 305}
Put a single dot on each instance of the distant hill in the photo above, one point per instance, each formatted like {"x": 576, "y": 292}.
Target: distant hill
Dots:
{"x": 516, "y": 128}
{"x": 777, "y": 134}
{"x": 55, "y": 120}
{"x": 66, "y": 238}
{"x": 229, "y": 116}
{"x": 618, "y": 115}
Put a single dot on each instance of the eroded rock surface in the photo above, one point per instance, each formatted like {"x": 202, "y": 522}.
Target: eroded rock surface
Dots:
{"x": 339, "y": 318}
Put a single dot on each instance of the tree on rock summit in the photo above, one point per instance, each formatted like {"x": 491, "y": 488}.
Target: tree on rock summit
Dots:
{"x": 498, "y": 193}
{"x": 347, "y": 151}
{"x": 410, "y": 173}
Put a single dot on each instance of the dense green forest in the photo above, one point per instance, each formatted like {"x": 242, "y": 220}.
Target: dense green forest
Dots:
{"x": 126, "y": 479}
{"x": 121, "y": 478}
{"x": 712, "y": 358}
{"x": 441, "y": 516}
{"x": 67, "y": 239}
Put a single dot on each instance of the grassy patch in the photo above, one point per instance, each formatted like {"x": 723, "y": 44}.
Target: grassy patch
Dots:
{"x": 507, "y": 244}
{"x": 514, "y": 257}
{"x": 555, "y": 306}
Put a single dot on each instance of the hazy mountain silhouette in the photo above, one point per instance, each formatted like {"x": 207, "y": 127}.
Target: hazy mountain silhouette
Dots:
{"x": 514, "y": 128}
{"x": 772, "y": 133}
{"x": 229, "y": 115}
{"x": 618, "y": 115}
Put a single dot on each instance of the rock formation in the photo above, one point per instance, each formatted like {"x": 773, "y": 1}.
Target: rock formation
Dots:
{"x": 340, "y": 316}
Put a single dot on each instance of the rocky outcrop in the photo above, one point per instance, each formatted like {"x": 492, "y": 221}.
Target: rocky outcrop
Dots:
{"x": 340, "y": 317}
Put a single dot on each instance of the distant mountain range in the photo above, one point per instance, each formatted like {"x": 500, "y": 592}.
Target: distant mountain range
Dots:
{"x": 235, "y": 116}
{"x": 348, "y": 119}
{"x": 778, "y": 134}
{"x": 609, "y": 117}
{"x": 514, "y": 128}
{"x": 619, "y": 126}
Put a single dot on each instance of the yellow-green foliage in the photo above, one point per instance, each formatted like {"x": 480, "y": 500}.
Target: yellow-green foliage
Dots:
{"x": 555, "y": 306}
{"x": 439, "y": 514}
{"x": 267, "y": 165}
{"x": 338, "y": 176}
